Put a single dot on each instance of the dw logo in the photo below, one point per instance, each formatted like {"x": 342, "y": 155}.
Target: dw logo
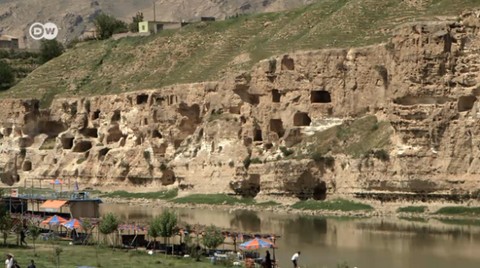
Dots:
{"x": 40, "y": 31}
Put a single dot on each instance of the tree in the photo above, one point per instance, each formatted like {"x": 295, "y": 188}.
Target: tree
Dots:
{"x": 167, "y": 224}
{"x": 50, "y": 49}
{"x": 155, "y": 229}
{"x": 109, "y": 224}
{"x": 213, "y": 237}
{"x": 87, "y": 226}
{"x": 133, "y": 27}
{"x": 6, "y": 225}
{"x": 34, "y": 232}
{"x": 58, "y": 251}
{"x": 107, "y": 25}
{"x": 7, "y": 76}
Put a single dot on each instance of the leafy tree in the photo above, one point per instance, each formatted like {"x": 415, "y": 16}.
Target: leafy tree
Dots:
{"x": 107, "y": 25}
{"x": 213, "y": 237}
{"x": 154, "y": 230}
{"x": 109, "y": 224}
{"x": 167, "y": 224}
{"x": 6, "y": 225}
{"x": 7, "y": 76}
{"x": 34, "y": 232}
{"x": 50, "y": 49}
{"x": 133, "y": 27}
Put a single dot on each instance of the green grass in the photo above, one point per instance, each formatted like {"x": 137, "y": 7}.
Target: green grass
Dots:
{"x": 461, "y": 211}
{"x": 205, "y": 52}
{"x": 333, "y": 205}
{"x": 412, "y": 209}
{"x": 213, "y": 199}
{"x": 166, "y": 195}
{"x": 73, "y": 256}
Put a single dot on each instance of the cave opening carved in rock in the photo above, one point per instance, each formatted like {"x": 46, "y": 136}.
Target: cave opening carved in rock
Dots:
{"x": 114, "y": 134}
{"x": 27, "y": 166}
{"x": 320, "y": 96}
{"x": 301, "y": 119}
{"x": 82, "y": 146}
{"x": 116, "y": 116}
{"x": 257, "y": 135}
{"x": 247, "y": 188}
{"x": 465, "y": 103}
{"x": 168, "y": 177}
{"x": 276, "y": 125}
{"x": 67, "y": 142}
{"x": 142, "y": 99}
{"x": 276, "y": 96}
{"x": 90, "y": 132}
{"x": 288, "y": 63}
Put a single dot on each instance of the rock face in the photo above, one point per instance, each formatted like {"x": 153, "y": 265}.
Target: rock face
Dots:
{"x": 233, "y": 135}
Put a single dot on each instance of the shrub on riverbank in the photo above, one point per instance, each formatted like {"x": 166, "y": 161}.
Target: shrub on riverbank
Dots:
{"x": 333, "y": 205}
{"x": 165, "y": 195}
{"x": 412, "y": 209}
{"x": 214, "y": 199}
{"x": 464, "y": 211}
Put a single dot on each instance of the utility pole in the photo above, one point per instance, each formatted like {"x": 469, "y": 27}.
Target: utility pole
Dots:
{"x": 154, "y": 12}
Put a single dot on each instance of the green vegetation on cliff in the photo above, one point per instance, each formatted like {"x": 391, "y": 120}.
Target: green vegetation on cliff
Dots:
{"x": 170, "y": 194}
{"x": 359, "y": 138}
{"x": 412, "y": 209}
{"x": 459, "y": 211}
{"x": 205, "y": 51}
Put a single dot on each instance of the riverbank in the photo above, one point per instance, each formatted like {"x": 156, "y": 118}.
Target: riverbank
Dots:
{"x": 353, "y": 207}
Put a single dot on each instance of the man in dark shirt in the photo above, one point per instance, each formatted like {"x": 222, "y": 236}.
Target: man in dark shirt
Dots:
{"x": 32, "y": 265}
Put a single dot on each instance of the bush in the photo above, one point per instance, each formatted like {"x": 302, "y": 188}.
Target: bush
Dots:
{"x": 107, "y": 26}
{"x": 246, "y": 162}
{"x": 50, "y": 49}
{"x": 7, "y": 77}
{"x": 381, "y": 155}
{"x": 255, "y": 160}
{"x": 285, "y": 151}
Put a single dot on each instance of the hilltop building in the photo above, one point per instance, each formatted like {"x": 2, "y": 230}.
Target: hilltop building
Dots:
{"x": 8, "y": 42}
{"x": 157, "y": 26}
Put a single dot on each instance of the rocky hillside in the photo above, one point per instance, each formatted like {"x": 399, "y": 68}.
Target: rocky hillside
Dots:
{"x": 396, "y": 119}
{"x": 75, "y": 17}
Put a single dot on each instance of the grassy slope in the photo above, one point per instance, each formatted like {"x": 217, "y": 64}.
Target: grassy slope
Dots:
{"x": 201, "y": 52}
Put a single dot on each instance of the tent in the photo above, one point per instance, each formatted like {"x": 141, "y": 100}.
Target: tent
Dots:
{"x": 54, "y": 220}
{"x": 73, "y": 224}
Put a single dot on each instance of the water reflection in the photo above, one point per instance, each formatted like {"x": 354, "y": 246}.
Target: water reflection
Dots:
{"x": 324, "y": 242}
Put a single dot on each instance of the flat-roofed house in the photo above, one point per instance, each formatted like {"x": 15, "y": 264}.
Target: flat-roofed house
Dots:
{"x": 8, "y": 42}
{"x": 157, "y": 26}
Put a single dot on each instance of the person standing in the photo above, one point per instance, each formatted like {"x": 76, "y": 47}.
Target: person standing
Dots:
{"x": 268, "y": 260}
{"x": 32, "y": 265}
{"x": 22, "y": 237}
{"x": 295, "y": 259}
{"x": 9, "y": 262}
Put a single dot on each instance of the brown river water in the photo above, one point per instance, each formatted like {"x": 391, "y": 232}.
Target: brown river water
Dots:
{"x": 326, "y": 242}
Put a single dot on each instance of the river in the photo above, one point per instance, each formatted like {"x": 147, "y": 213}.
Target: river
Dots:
{"x": 325, "y": 242}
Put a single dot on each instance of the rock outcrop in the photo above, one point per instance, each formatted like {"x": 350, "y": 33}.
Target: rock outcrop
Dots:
{"x": 235, "y": 135}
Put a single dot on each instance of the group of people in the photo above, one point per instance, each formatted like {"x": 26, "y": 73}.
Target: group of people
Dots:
{"x": 267, "y": 261}
{"x": 10, "y": 262}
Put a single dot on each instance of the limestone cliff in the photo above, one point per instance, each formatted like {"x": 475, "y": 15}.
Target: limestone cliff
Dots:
{"x": 263, "y": 132}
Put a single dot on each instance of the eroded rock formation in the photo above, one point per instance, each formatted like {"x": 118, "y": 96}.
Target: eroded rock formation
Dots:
{"x": 234, "y": 135}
